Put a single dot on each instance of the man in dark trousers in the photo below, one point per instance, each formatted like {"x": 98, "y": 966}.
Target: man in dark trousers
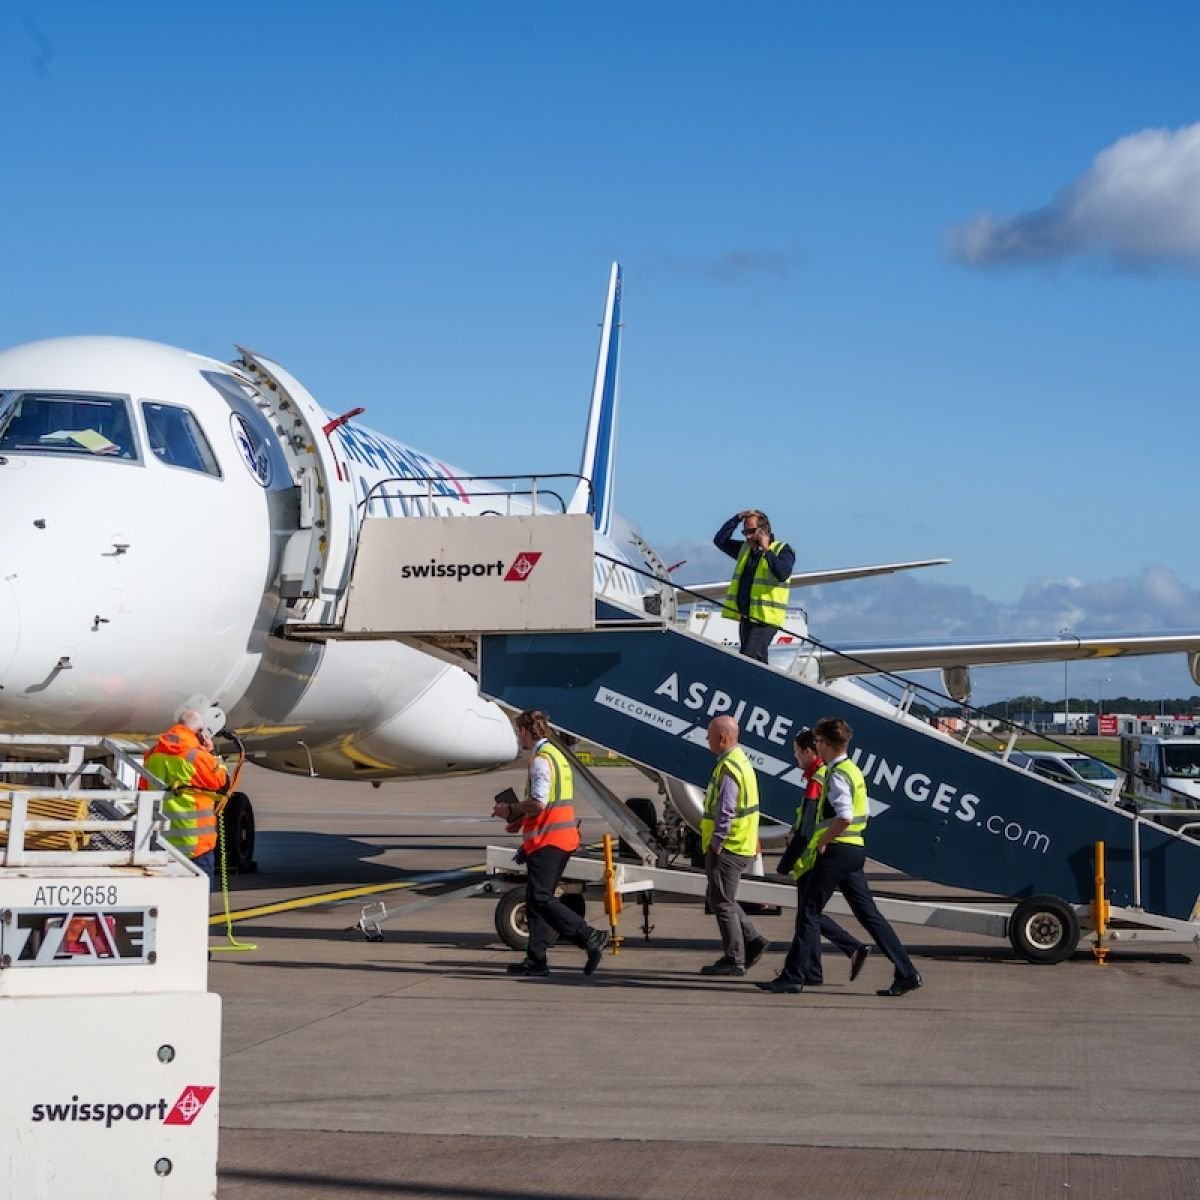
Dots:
{"x": 793, "y": 861}
{"x": 758, "y": 592}
{"x": 549, "y": 836}
{"x": 834, "y": 859}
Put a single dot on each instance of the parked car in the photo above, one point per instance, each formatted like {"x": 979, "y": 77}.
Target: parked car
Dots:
{"x": 1079, "y": 771}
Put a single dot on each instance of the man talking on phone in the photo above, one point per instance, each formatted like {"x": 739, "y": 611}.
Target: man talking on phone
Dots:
{"x": 758, "y": 591}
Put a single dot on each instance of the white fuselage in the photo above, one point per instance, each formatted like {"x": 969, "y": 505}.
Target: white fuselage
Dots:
{"x": 137, "y": 573}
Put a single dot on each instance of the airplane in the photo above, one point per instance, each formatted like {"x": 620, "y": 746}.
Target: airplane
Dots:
{"x": 162, "y": 514}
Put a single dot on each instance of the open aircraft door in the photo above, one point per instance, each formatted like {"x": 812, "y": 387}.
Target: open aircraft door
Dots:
{"x": 317, "y": 556}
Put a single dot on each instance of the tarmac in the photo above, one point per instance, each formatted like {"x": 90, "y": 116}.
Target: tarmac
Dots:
{"x": 416, "y": 1067}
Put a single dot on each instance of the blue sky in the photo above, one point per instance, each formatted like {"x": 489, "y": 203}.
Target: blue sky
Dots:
{"x": 919, "y": 280}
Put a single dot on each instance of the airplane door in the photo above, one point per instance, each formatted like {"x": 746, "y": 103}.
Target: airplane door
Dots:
{"x": 315, "y": 570}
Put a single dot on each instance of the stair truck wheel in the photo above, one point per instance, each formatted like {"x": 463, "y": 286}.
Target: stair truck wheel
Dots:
{"x": 511, "y": 924}
{"x": 1044, "y": 929}
{"x": 238, "y": 818}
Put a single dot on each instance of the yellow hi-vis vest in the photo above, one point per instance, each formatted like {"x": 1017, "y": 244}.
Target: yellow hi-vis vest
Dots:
{"x": 191, "y": 813}
{"x": 768, "y": 597}
{"x": 555, "y": 825}
{"x": 743, "y": 830}
{"x": 808, "y": 857}
{"x": 852, "y": 835}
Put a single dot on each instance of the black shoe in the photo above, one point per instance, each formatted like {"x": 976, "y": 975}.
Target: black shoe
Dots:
{"x": 527, "y": 967}
{"x": 596, "y": 942}
{"x": 781, "y": 985}
{"x": 723, "y": 966}
{"x": 857, "y": 959}
{"x": 755, "y": 951}
{"x": 901, "y": 987}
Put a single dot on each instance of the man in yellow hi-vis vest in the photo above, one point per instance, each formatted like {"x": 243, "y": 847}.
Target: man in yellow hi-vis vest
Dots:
{"x": 834, "y": 859}
{"x": 729, "y": 839}
{"x": 758, "y": 592}
{"x": 797, "y": 858}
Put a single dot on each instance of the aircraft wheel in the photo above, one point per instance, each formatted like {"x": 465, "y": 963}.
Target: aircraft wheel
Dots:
{"x": 238, "y": 819}
{"x": 1044, "y": 929}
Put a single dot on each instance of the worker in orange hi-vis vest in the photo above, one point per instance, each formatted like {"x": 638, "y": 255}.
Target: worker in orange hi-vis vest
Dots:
{"x": 184, "y": 761}
{"x": 545, "y": 819}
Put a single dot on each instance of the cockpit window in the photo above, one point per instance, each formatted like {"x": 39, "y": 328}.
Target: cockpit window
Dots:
{"x": 53, "y": 423}
{"x": 176, "y": 438}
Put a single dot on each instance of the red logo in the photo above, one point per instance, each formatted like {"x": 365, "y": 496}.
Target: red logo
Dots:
{"x": 187, "y": 1108}
{"x": 522, "y": 566}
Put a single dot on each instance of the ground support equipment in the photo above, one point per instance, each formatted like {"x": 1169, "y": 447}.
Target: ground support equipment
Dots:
{"x": 940, "y": 811}
{"x": 627, "y": 680}
{"x": 1037, "y": 928}
{"x": 112, "y": 1039}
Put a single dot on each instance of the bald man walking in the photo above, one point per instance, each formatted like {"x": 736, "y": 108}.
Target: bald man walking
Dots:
{"x": 729, "y": 839}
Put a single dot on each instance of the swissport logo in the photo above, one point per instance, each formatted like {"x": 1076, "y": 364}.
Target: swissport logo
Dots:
{"x": 520, "y": 569}
{"x": 522, "y": 566}
{"x": 187, "y": 1107}
{"x": 184, "y": 1111}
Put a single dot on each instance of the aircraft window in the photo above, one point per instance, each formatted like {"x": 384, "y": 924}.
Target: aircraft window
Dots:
{"x": 91, "y": 426}
{"x": 176, "y": 438}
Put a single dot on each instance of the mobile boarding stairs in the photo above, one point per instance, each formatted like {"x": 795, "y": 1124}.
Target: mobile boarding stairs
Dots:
{"x": 511, "y": 599}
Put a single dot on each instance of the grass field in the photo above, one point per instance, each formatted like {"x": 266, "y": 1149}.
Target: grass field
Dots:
{"x": 1105, "y": 749}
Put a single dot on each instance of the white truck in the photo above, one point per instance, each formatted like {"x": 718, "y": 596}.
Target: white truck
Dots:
{"x": 1164, "y": 773}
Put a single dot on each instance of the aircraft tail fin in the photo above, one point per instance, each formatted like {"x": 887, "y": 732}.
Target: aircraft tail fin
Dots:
{"x": 600, "y": 444}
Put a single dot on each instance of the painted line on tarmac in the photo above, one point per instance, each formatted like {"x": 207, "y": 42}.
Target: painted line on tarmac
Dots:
{"x": 266, "y": 910}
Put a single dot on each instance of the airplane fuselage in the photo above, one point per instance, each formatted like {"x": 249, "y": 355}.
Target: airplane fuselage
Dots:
{"x": 152, "y": 517}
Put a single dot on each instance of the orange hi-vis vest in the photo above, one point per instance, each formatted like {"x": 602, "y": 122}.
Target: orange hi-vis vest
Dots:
{"x": 193, "y": 776}
{"x": 555, "y": 825}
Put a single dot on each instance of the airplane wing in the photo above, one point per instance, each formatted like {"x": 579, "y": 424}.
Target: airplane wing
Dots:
{"x": 716, "y": 591}
{"x": 986, "y": 654}
{"x": 954, "y": 660}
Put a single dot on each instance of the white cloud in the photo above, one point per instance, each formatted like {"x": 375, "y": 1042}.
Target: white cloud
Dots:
{"x": 1138, "y": 205}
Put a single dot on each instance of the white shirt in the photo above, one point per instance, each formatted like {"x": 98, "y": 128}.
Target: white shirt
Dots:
{"x": 539, "y": 774}
{"x": 840, "y": 792}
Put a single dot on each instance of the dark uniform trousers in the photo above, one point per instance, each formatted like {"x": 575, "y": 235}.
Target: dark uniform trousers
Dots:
{"x": 547, "y": 915}
{"x": 755, "y": 637}
{"x": 840, "y": 867}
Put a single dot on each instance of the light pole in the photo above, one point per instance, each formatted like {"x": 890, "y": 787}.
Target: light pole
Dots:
{"x": 1065, "y": 632}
